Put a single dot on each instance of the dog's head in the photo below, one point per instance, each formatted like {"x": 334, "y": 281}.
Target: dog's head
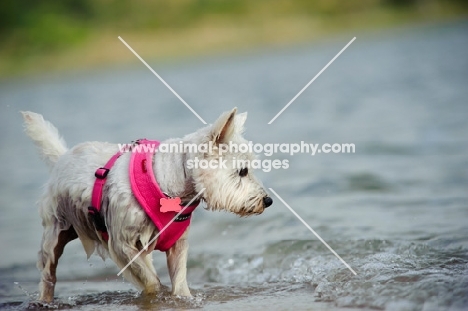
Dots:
{"x": 226, "y": 173}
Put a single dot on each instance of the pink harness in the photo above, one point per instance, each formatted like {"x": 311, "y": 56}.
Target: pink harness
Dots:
{"x": 147, "y": 192}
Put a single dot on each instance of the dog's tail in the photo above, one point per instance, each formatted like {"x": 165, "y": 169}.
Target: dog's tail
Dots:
{"x": 45, "y": 136}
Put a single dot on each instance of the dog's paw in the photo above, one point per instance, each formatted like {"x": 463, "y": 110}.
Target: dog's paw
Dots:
{"x": 182, "y": 293}
{"x": 155, "y": 289}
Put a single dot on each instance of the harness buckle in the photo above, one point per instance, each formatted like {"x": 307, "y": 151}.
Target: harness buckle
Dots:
{"x": 101, "y": 172}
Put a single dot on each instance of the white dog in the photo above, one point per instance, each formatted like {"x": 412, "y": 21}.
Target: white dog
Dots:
{"x": 121, "y": 227}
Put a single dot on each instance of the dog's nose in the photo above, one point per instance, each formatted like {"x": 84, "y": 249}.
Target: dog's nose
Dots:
{"x": 267, "y": 201}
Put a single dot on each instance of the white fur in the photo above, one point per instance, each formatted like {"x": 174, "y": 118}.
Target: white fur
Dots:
{"x": 45, "y": 136}
{"x": 64, "y": 204}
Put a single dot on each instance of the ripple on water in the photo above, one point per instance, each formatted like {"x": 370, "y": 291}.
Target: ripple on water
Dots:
{"x": 391, "y": 274}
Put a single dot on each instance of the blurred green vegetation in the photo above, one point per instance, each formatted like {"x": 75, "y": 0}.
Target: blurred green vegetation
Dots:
{"x": 34, "y": 29}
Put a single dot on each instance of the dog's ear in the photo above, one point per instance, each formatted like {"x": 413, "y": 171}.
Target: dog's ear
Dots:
{"x": 239, "y": 122}
{"x": 224, "y": 127}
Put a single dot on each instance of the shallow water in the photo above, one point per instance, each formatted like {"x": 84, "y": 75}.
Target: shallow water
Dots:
{"x": 395, "y": 210}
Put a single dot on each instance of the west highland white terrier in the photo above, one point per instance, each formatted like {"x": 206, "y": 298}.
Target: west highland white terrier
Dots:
{"x": 111, "y": 199}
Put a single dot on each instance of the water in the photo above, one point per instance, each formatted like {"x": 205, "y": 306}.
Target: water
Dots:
{"x": 395, "y": 210}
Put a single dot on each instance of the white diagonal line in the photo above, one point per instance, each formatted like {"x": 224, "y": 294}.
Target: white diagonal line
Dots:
{"x": 159, "y": 233}
{"x": 162, "y": 80}
{"x": 316, "y": 76}
{"x": 312, "y": 230}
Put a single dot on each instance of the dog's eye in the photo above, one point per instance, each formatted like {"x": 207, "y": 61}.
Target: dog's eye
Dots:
{"x": 243, "y": 172}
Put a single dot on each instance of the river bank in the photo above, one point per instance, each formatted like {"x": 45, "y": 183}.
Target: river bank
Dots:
{"x": 99, "y": 47}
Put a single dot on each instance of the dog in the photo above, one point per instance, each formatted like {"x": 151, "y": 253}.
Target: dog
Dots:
{"x": 66, "y": 203}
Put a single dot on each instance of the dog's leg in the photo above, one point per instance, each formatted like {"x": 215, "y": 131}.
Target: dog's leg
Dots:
{"x": 177, "y": 264}
{"x": 141, "y": 271}
{"x": 53, "y": 242}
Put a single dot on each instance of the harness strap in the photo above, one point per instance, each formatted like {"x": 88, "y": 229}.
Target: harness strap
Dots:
{"x": 96, "y": 197}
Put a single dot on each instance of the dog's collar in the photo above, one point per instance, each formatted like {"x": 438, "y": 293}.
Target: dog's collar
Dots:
{"x": 183, "y": 217}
